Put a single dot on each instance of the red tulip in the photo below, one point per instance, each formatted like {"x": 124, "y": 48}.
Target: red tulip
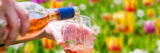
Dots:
{"x": 107, "y": 17}
{"x": 2, "y": 49}
{"x": 93, "y": 1}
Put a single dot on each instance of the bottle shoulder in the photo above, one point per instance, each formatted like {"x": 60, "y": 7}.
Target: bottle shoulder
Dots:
{"x": 31, "y": 6}
{"x": 35, "y": 10}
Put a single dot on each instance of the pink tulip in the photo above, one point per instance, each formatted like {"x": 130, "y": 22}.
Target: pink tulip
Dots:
{"x": 70, "y": 4}
{"x": 38, "y": 1}
{"x": 59, "y": 0}
{"x": 149, "y": 27}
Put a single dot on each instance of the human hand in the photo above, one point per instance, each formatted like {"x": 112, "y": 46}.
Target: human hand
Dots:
{"x": 16, "y": 18}
{"x": 62, "y": 31}
{"x": 73, "y": 36}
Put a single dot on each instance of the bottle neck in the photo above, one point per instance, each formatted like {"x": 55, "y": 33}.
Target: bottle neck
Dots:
{"x": 77, "y": 13}
{"x": 65, "y": 13}
{"x": 53, "y": 14}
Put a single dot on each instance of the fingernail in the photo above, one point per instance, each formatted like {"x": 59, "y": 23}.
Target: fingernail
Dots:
{"x": 23, "y": 33}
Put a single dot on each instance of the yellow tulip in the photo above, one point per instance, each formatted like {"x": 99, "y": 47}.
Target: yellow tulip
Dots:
{"x": 47, "y": 43}
{"x": 129, "y": 22}
{"x": 130, "y": 5}
{"x": 119, "y": 20}
{"x": 119, "y": 17}
{"x": 147, "y": 2}
{"x": 113, "y": 43}
{"x": 157, "y": 25}
{"x": 55, "y": 4}
{"x": 29, "y": 47}
{"x": 124, "y": 21}
{"x": 150, "y": 12}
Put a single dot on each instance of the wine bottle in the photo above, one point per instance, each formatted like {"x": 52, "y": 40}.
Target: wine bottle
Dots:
{"x": 40, "y": 17}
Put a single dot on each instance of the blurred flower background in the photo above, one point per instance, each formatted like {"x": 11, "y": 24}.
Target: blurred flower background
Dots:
{"x": 120, "y": 26}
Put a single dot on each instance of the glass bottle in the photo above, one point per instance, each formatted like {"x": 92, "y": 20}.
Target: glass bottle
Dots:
{"x": 40, "y": 17}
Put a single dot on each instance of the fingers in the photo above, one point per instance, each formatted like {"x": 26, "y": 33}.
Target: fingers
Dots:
{"x": 13, "y": 23}
{"x": 2, "y": 32}
{"x": 2, "y": 20}
{"x": 2, "y": 26}
{"x": 5, "y": 34}
{"x": 13, "y": 26}
{"x": 23, "y": 15}
{"x": 16, "y": 18}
